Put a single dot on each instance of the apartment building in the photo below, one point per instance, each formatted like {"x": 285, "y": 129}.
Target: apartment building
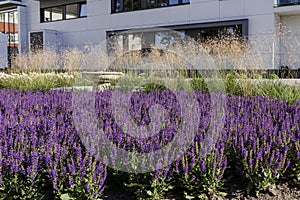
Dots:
{"x": 32, "y": 24}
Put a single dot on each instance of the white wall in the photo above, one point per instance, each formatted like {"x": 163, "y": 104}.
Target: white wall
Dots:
{"x": 92, "y": 30}
{"x": 290, "y": 41}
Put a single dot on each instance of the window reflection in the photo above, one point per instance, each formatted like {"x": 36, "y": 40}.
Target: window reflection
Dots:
{"x": 134, "y": 42}
{"x": 57, "y": 13}
{"x": 131, "y": 5}
{"x": 166, "y": 38}
{"x": 47, "y": 15}
{"x": 83, "y": 10}
{"x": 71, "y": 11}
{"x": 127, "y": 5}
{"x": 173, "y": 2}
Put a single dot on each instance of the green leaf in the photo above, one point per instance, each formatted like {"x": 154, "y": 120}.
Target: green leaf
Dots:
{"x": 65, "y": 196}
{"x": 149, "y": 192}
{"x": 186, "y": 196}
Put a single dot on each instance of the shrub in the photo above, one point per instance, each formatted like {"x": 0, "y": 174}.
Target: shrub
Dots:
{"x": 273, "y": 76}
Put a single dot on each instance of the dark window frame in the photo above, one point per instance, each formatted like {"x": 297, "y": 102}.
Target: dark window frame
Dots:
{"x": 64, "y": 12}
{"x": 144, "y": 5}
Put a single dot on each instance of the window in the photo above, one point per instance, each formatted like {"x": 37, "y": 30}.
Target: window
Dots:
{"x": 161, "y": 39}
{"x": 47, "y": 15}
{"x": 71, "y": 11}
{"x": 219, "y": 31}
{"x": 83, "y": 10}
{"x": 131, "y": 5}
{"x": 36, "y": 41}
{"x": 134, "y": 42}
{"x": 62, "y": 12}
{"x": 57, "y": 13}
{"x": 166, "y": 38}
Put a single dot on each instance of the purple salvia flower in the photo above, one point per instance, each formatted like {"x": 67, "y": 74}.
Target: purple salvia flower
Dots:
{"x": 88, "y": 189}
{"x": 287, "y": 164}
{"x": 277, "y": 166}
{"x": 203, "y": 166}
{"x": 70, "y": 181}
{"x": 251, "y": 162}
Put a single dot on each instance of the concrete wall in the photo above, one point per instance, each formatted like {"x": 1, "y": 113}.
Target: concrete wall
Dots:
{"x": 290, "y": 41}
{"x": 3, "y": 51}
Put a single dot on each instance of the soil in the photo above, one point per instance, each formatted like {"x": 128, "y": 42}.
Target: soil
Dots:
{"x": 282, "y": 191}
{"x": 235, "y": 191}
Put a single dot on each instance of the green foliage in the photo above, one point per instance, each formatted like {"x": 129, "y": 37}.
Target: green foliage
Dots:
{"x": 239, "y": 85}
{"x": 199, "y": 84}
{"x": 147, "y": 88}
{"x": 138, "y": 184}
{"x": 18, "y": 186}
{"x": 159, "y": 187}
{"x": 36, "y": 81}
{"x": 273, "y": 76}
{"x": 203, "y": 180}
{"x": 276, "y": 90}
{"x": 233, "y": 86}
{"x": 83, "y": 186}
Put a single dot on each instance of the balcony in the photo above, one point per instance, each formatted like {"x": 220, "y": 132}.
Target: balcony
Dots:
{"x": 9, "y": 3}
{"x": 287, "y": 7}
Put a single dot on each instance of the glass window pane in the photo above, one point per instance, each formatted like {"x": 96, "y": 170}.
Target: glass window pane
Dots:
{"x": 16, "y": 20}
{"x": 127, "y": 5}
{"x": 119, "y": 42}
{"x": 2, "y": 17}
{"x": 2, "y": 20}
{"x": 166, "y": 38}
{"x": 83, "y": 10}
{"x": 162, "y": 3}
{"x": 57, "y": 13}
{"x": 47, "y": 15}
{"x": 151, "y": 3}
{"x": 134, "y": 42}
{"x": 173, "y": 2}
{"x": 6, "y": 24}
{"x": 185, "y": 1}
{"x": 71, "y": 11}
{"x": 137, "y": 4}
{"x": 117, "y": 4}
{"x": 11, "y": 17}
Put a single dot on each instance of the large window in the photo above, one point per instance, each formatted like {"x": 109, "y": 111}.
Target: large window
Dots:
{"x": 131, "y": 5}
{"x": 63, "y": 12}
{"x": 145, "y": 39}
{"x": 208, "y": 33}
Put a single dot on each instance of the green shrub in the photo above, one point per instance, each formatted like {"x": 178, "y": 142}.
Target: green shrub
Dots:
{"x": 273, "y": 76}
{"x": 199, "y": 84}
{"x": 233, "y": 86}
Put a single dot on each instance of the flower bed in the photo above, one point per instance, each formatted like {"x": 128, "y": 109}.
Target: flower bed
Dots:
{"x": 41, "y": 152}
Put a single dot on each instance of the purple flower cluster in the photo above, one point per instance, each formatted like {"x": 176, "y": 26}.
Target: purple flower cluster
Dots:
{"x": 38, "y": 136}
{"x": 139, "y": 106}
{"x": 263, "y": 134}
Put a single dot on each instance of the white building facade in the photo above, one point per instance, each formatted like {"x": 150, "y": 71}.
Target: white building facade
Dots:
{"x": 76, "y": 23}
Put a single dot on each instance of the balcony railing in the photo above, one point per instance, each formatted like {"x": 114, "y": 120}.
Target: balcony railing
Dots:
{"x": 278, "y": 3}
